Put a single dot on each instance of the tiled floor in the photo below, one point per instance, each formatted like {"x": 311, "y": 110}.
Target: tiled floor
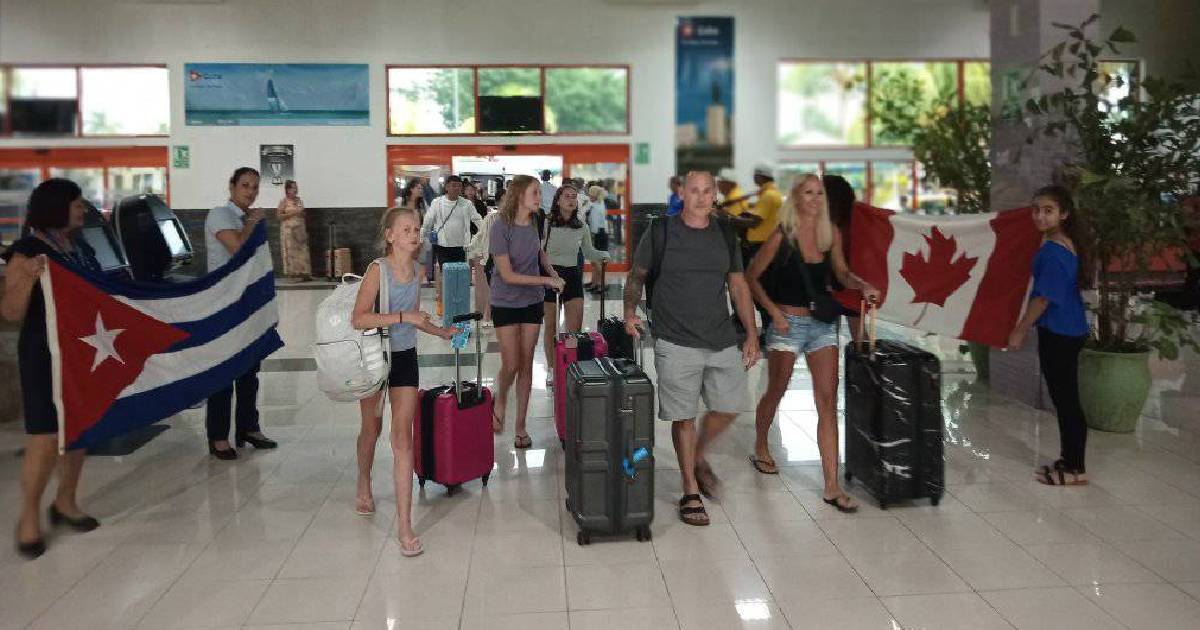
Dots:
{"x": 271, "y": 540}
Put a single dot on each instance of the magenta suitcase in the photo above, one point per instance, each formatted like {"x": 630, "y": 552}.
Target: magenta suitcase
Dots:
{"x": 569, "y": 348}
{"x": 452, "y": 430}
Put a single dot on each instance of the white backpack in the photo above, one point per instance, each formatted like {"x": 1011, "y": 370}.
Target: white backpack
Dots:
{"x": 351, "y": 364}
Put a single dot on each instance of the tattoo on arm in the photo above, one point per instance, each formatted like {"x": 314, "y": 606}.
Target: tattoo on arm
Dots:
{"x": 633, "y": 288}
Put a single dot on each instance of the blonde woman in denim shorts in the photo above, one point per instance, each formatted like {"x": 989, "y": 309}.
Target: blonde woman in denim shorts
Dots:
{"x": 790, "y": 277}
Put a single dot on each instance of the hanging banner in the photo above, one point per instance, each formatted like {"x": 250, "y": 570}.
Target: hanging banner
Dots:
{"x": 703, "y": 94}
{"x": 276, "y": 94}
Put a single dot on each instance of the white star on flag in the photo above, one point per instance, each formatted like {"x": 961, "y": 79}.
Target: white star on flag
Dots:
{"x": 103, "y": 341}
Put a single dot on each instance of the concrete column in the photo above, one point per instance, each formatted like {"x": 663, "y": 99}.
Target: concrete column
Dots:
{"x": 1021, "y": 31}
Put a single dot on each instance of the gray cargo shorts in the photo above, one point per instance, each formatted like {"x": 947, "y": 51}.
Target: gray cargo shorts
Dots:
{"x": 685, "y": 375}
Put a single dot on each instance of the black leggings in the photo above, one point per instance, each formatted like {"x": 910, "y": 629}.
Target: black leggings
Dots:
{"x": 1059, "y": 359}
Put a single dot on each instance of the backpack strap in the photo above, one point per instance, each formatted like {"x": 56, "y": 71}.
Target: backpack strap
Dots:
{"x": 385, "y": 281}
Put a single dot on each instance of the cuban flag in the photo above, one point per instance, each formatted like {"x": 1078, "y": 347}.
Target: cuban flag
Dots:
{"x": 964, "y": 276}
{"x": 125, "y": 355}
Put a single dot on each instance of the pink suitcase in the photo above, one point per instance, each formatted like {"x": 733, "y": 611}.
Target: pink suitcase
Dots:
{"x": 452, "y": 430}
{"x": 569, "y": 348}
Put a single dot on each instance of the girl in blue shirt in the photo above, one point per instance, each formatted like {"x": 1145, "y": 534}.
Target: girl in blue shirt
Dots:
{"x": 1056, "y": 307}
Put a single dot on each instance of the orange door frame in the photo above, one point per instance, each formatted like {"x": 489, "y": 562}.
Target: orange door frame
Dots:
{"x": 443, "y": 155}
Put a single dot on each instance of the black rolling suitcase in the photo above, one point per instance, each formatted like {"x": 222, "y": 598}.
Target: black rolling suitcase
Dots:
{"x": 609, "y": 448}
{"x": 894, "y": 420}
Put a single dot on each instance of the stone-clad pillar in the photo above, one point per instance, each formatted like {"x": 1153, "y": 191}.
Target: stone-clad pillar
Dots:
{"x": 1021, "y": 31}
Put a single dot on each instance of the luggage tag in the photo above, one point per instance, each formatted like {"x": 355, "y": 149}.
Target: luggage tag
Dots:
{"x": 461, "y": 335}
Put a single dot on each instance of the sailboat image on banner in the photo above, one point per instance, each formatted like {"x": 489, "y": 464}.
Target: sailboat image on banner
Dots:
{"x": 274, "y": 103}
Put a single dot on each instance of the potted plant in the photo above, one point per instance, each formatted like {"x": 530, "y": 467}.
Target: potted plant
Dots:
{"x": 951, "y": 140}
{"x": 1132, "y": 159}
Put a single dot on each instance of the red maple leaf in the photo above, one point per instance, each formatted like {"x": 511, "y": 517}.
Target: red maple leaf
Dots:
{"x": 936, "y": 279}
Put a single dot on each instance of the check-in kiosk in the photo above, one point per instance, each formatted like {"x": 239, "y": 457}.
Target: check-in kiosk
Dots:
{"x": 152, "y": 237}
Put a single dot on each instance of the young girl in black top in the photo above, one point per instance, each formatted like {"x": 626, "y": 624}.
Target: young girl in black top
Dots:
{"x": 56, "y": 211}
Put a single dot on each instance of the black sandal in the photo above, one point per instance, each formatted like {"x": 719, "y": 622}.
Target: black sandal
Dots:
{"x": 1057, "y": 476}
{"x": 522, "y": 441}
{"x": 764, "y": 466}
{"x": 694, "y": 515}
{"x": 841, "y": 502}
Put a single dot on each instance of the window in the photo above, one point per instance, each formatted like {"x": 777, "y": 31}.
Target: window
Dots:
{"x": 854, "y": 172}
{"x": 126, "y": 181}
{"x": 1118, "y": 80}
{"x": 16, "y": 184}
{"x": 43, "y": 101}
{"x": 431, "y": 100}
{"x": 892, "y": 185}
{"x": 932, "y": 198}
{"x": 587, "y": 100}
{"x": 787, "y": 174}
{"x": 977, "y": 82}
{"x": 125, "y": 101}
{"x": 909, "y": 91}
{"x": 822, "y": 104}
{"x": 85, "y": 101}
{"x": 508, "y": 100}
{"x": 90, "y": 180}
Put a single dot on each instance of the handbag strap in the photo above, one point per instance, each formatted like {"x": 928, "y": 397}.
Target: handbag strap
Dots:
{"x": 448, "y": 216}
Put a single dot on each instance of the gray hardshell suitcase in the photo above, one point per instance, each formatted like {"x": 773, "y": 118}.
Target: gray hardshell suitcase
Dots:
{"x": 609, "y": 447}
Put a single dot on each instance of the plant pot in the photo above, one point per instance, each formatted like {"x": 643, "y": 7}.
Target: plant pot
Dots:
{"x": 1113, "y": 387}
{"x": 980, "y": 354}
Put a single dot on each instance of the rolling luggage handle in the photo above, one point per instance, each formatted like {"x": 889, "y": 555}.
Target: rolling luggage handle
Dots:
{"x": 332, "y": 249}
{"x": 469, "y": 317}
{"x": 603, "y": 279}
{"x": 867, "y": 310}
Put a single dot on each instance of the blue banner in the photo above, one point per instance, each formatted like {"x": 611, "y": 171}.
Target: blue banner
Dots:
{"x": 703, "y": 93}
{"x": 277, "y": 94}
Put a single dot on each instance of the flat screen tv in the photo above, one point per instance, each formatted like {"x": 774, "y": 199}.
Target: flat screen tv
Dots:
{"x": 43, "y": 116}
{"x": 510, "y": 114}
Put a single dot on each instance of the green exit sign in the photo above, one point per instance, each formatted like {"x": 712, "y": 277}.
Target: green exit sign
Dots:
{"x": 642, "y": 156}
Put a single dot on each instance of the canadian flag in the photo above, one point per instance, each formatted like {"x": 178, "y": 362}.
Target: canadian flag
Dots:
{"x": 960, "y": 276}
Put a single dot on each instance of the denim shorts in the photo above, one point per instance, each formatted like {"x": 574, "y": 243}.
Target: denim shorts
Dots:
{"x": 804, "y": 335}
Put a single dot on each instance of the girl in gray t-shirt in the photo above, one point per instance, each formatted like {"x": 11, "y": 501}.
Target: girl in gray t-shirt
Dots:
{"x": 518, "y": 288}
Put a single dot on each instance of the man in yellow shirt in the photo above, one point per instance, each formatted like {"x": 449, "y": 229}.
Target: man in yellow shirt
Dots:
{"x": 770, "y": 201}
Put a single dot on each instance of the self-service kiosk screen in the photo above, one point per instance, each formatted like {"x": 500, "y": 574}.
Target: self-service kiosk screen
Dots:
{"x": 170, "y": 232}
{"x": 105, "y": 254}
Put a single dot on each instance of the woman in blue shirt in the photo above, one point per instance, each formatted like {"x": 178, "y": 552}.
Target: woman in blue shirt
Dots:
{"x": 1056, "y": 307}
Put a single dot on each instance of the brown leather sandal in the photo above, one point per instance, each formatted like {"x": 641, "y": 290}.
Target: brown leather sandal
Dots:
{"x": 693, "y": 514}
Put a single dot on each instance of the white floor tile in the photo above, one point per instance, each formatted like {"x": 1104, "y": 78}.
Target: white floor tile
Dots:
{"x": 1146, "y": 606}
{"x": 861, "y": 613}
{"x": 907, "y": 573}
{"x": 1044, "y": 608}
{"x": 1081, "y": 564}
{"x": 616, "y": 586}
{"x": 945, "y": 612}
{"x": 305, "y": 600}
{"x": 206, "y": 604}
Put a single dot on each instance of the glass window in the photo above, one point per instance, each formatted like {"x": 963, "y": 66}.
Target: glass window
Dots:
{"x": 91, "y": 180}
{"x": 1117, "y": 80}
{"x": 932, "y": 197}
{"x": 905, "y": 92}
{"x": 788, "y": 172}
{"x": 586, "y": 100}
{"x": 892, "y": 185}
{"x": 50, "y": 83}
{"x": 431, "y": 100}
{"x": 125, "y": 181}
{"x": 125, "y": 101}
{"x": 15, "y": 186}
{"x": 977, "y": 82}
{"x": 822, "y": 104}
{"x": 854, "y": 172}
{"x": 3, "y": 97}
{"x": 43, "y": 101}
{"x": 510, "y": 82}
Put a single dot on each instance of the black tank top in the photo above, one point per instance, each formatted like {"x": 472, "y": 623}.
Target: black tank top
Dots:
{"x": 786, "y": 286}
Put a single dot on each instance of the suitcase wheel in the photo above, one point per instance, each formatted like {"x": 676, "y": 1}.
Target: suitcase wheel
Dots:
{"x": 562, "y": 443}
{"x": 935, "y": 500}
{"x": 849, "y": 476}
{"x": 643, "y": 533}
{"x": 421, "y": 482}
{"x": 450, "y": 490}
{"x": 883, "y": 505}
{"x": 583, "y": 538}
{"x": 485, "y": 479}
